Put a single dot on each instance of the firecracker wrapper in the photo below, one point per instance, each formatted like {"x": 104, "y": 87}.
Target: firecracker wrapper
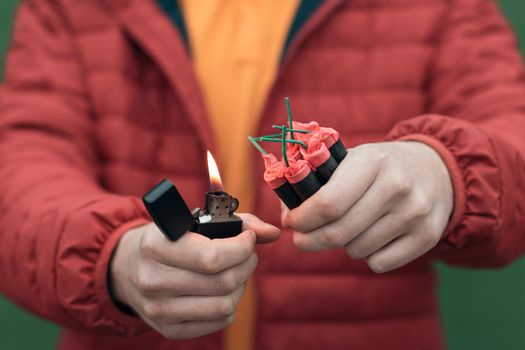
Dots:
{"x": 274, "y": 175}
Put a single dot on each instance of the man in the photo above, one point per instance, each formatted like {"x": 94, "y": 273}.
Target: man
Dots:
{"x": 102, "y": 98}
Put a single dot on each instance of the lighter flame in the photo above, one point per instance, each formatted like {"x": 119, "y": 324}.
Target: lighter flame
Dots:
{"x": 215, "y": 176}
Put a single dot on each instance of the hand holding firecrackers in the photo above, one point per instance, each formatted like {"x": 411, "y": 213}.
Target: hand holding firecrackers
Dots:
{"x": 388, "y": 203}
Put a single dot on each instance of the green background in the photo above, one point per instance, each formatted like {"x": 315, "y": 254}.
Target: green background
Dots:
{"x": 480, "y": 309}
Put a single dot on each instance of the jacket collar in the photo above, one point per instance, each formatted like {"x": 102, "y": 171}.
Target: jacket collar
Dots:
{"x": 146, "y": 23}
{"x": 155, "y": 33}
{"x": 321, "y": 15}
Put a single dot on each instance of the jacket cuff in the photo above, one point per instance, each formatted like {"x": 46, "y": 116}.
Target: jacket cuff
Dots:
{"x": 102, "y": 293}
{"x": 456, "y": 177}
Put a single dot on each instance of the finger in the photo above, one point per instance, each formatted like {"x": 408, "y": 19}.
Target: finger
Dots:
{"x": 264, "y": 231}
{"x": 165, "y": 281}
{"x": 198, "y": 253}
{"x": 382, "y": 232}
{"x": 284, "y": 214}
{"x": 375, "y": 203}
{"x": 192, "y": 308}
{"x": 190, "y": 330}
{"x": 347, "y": 185}
{"x": 402, "y": 250}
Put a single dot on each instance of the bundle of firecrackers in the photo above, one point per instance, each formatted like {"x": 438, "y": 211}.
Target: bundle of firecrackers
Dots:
{"x": 310, "y": 155}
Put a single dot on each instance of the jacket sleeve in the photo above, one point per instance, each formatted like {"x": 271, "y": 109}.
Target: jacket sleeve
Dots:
{"x": 58, "y": 226}
{"x": 477, "y": 100}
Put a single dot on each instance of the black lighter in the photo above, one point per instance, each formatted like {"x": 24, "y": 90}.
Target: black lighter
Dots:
{"x": 170, "y": 213}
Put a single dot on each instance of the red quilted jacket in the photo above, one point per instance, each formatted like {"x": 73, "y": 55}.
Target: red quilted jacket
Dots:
{"x": 100, "y": 101}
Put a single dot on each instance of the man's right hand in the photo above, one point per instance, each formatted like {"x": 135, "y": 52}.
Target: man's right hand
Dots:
{"x": 190, "y": 287}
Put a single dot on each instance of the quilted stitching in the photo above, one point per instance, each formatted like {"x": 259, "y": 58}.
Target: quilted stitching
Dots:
{"x": 104, "y": 120}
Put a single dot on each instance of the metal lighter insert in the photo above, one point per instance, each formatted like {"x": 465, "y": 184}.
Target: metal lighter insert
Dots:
{"x": 217, "y": 219}
{"x": 173, "y": 217}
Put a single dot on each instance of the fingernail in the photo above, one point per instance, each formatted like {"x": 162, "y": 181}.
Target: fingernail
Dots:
{"x": 270, "y": 225}
{"x": 377, "y": 268}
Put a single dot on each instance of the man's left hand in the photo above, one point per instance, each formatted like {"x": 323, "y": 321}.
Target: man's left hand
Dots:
{"x": 388, "y": 203}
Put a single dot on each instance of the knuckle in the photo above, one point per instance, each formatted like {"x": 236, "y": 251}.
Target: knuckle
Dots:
{"x": 153, "y": 310}
{"x": 147, "y": 244}
{"x": 380, "y": 157}
{"x": 329, "y": 207}
{"x": 208, "y": 260}
{"x": 227, "y": 282}
{"x": 145, "y": 282}
{"x": 400, "y": 185}
{"x": 421, "y": 206}
{"x": 226, "y": 307}
{"x": 333, "y": 237}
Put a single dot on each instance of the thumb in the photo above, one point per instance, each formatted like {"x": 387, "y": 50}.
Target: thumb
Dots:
{"x": 265, "y": 232}
{"x": 284, "y": 214}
